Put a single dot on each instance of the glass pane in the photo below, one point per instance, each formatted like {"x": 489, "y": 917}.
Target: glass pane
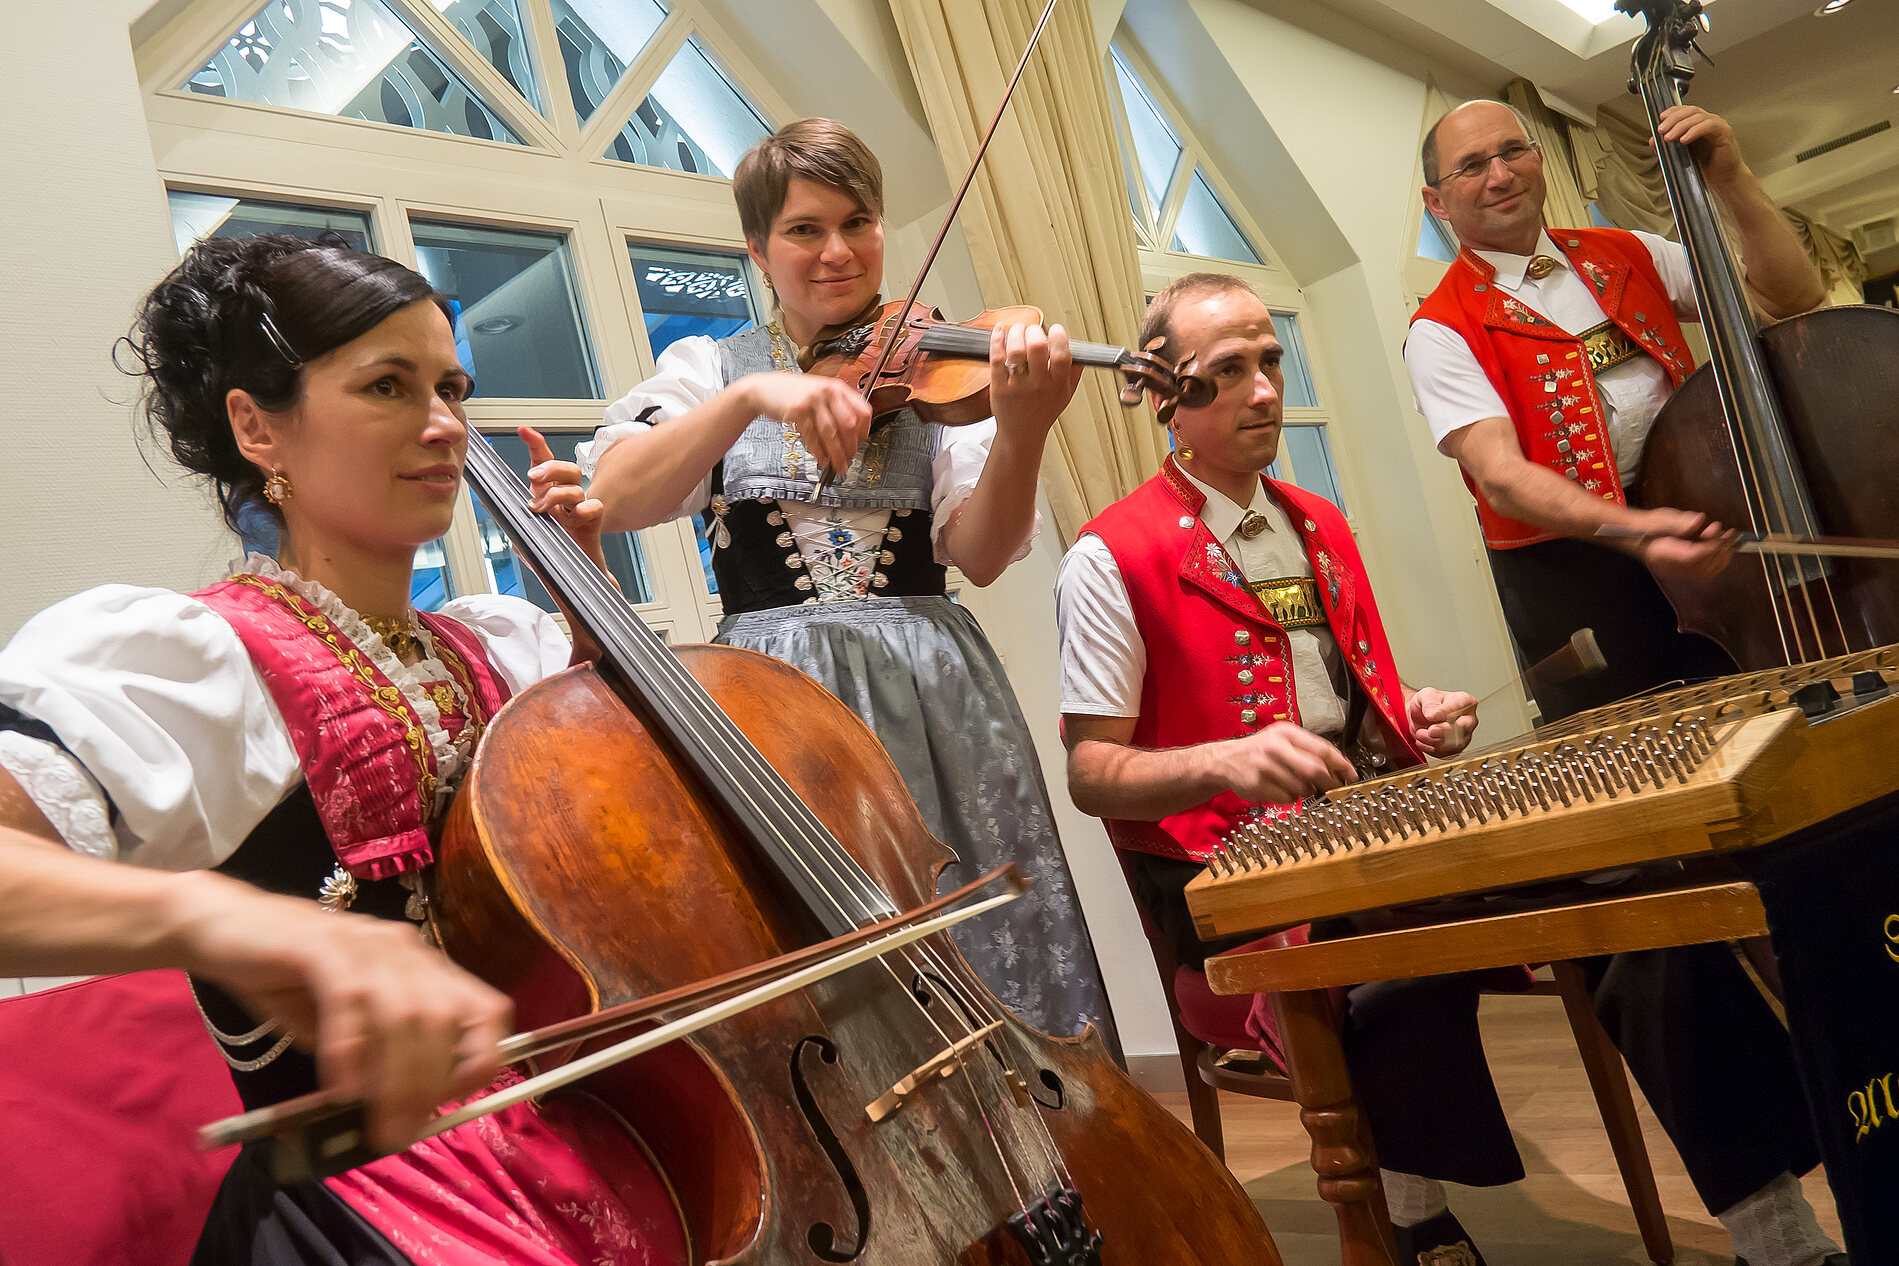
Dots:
{"x": 1155, "y": 145}
{"x": 694, "y": 120}
{"x": 351, "y": 58}
{"x": 496, "y": 29}
{"x": 1311, "y": 455}
{"x": 1435, "y": 241}
{"x": 430, "y": 586}
{"x": 598, "y": 40}
{"x": 1205, "y": 227}
{"x": 201, "y": 215}
{"x": 517, "y": 312}
{"x": 624, "y": 558}
{"x": 686, "y": 292}
{"x": 1299, "y": 391}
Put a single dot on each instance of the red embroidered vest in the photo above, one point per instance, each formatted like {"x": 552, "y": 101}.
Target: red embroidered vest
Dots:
{"x": 1218, "y": 666}
{"x": 363, "y": 749}
{"x": 1542, "y": 371}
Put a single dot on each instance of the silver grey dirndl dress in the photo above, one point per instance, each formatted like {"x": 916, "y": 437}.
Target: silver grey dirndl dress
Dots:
{"x": 916, "y": 667}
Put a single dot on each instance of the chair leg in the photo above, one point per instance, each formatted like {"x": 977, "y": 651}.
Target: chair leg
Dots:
{"x": 1203, "y": 1101}
{"x": 1610, "y": 1080}
{"x": 1341, "y": 1154}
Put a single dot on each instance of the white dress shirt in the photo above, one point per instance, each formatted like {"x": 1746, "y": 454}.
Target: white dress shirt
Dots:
{"x": 1452, "y": 391}
{"x": 1104, "y": 660}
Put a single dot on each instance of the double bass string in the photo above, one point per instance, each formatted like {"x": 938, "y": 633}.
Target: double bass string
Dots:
{"x": 605, "y": 610}
{"x": 1765, "y": 499}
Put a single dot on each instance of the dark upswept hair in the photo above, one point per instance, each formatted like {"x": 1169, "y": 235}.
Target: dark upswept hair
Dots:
{"x": 205, "y": 330}
{"x": 823, "y": 150}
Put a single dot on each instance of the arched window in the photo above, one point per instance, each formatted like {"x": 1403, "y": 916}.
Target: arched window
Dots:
{"x": 558, "y": 168}
{"x": 1185, "y": 221}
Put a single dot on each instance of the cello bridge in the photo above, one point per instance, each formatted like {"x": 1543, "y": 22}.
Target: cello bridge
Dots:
{"x": 945, "y": 1063}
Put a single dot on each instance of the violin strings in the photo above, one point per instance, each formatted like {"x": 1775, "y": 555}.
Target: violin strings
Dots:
{"x": 606, "y": 607}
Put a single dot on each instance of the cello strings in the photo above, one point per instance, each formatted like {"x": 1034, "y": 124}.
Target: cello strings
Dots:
{"x": 666, "y": 667}
{"x": 606, "y": 608}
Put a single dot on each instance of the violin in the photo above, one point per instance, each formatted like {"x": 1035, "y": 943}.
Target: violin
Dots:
{"x": 909, "y": 357}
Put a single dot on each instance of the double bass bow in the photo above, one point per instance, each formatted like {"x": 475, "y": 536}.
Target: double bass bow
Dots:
{"x": 1785, "y": 432}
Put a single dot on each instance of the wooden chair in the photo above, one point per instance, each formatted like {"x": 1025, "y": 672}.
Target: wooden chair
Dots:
{"x": 1208, "y": 1070}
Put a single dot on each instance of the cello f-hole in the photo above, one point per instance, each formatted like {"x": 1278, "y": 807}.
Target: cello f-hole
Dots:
{"x": 822, "y": 1236}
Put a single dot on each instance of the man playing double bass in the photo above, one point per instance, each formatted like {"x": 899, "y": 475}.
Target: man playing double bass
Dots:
{"x": 1540, "y": 362}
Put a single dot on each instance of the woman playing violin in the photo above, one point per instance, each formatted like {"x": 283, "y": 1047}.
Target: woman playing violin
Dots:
{"x": 846, "y": 580}
{"x": 296, "y": 729}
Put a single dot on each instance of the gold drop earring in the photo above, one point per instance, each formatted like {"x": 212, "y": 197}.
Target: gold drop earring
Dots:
{"x": 1182, "y": 451}
{"x": 277, "y": 488}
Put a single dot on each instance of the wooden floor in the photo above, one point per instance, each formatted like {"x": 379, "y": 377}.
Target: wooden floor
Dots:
{"x": 1569, "y": 1211}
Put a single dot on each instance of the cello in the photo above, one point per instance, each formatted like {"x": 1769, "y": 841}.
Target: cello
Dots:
{"x": 666, "y": 815}
{"x": 1786, "y": 431}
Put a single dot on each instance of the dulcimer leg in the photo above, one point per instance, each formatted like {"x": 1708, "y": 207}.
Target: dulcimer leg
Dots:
{"x": 1342, "y": 1153}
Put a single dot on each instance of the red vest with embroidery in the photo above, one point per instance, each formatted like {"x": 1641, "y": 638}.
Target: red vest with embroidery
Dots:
{"x": 1542, "y": 371}
{"x": 362, "y": 747}
{"x": 1218, "y": 666}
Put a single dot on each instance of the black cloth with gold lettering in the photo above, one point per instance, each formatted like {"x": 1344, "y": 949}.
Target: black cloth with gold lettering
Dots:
{"x": 1832, "y": 899}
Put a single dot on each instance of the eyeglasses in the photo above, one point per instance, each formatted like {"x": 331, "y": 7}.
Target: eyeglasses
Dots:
{"x": 1513, "y": 155}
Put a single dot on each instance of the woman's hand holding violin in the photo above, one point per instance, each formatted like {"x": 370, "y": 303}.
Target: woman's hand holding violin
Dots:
{"x": 1031, "y": 379}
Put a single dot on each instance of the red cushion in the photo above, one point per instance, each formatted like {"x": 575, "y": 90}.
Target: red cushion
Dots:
{"x": 103, "y": 1085}
{"x": 1216, "y": 1019}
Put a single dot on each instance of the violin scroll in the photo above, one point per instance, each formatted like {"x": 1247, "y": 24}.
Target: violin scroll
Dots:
{"x": 1173, "y": 385}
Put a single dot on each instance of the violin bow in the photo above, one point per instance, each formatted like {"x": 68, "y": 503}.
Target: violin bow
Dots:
{"x": 956, "y": 203}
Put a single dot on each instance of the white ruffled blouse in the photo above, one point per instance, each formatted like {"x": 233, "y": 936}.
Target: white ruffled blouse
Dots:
{"x": 839, "y": 546}
{"x": 161, "y": 710}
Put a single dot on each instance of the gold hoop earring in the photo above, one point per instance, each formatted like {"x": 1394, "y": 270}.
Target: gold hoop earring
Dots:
{"x": 277, "y": 488}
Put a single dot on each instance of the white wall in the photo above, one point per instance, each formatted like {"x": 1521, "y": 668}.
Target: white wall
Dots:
{"x": 87, "y": 233}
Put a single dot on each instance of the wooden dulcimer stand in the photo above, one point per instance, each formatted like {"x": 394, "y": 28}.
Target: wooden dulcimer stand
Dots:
{"x": 1755, "y": 803}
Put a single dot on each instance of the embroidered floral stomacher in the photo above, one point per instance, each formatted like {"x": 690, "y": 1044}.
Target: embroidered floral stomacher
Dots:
{"x": 371, "y": 743}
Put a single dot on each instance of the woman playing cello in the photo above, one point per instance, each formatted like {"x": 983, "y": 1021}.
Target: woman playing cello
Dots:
{"x": 296, "y": 727}
{"x": 846, "y": 580}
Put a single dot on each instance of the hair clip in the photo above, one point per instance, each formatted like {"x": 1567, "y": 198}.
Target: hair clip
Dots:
{"x": 278, "y": 341}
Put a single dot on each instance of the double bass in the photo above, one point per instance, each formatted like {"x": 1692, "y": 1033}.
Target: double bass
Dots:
{"x": 1788, "y": 431}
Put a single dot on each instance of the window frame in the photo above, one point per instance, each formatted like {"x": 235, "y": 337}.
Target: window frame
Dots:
{"x": 556, "y": 183}
{"x": 1275, "y": 285}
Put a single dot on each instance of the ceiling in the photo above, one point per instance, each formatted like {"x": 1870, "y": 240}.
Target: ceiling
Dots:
{"x": 1786, "y": 79}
